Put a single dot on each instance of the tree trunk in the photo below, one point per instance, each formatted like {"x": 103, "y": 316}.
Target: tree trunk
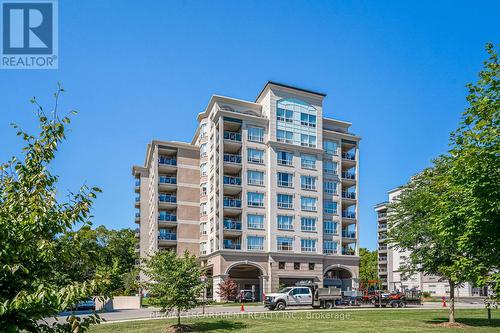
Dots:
{"x": 178, "y": 317}
{"x": 451, "y": 318}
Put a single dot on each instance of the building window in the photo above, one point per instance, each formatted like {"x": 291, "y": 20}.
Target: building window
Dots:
{"x": 284, "y": 115}
{"x": 281, "y": 265}
{"x": 255, "y": 177}
{"x": 330, "y": 147}
{"x": 308, "y": 161}
{"x": 255, "y": 199}
{"x": 308, "y": 224}
{"x": 330, "y": 247}
{"x": 255, "y": 243}
{"x": 203, "y": 150}
{"x": 255, "y": 156}
{"x": 307, "y": 140}
{"x": 330, "y": 207}
{"x": 203, "y": 169}
{"x": 296, "y": 266}
{"x": 311, "y": 266}
{"x": 204, "y": 189}
{"x": 203, "y": 130}
{"x": 203, "y": 209}
{"x": 308, "y": 183}
{"x": 203, "y": 228}
{"x": 307, "y": 245}
{"x": 308, "y": 120}
{"x": 255, "y": 221}
{"x": 330, "y": 167}
{"x": 308, "y": 203}
{"x": 285, "y": 179}
{"x": 330, "y": 187}
{"x": 330, "y": 227}
{"x": 284, "y": 136}
{"x": 284, "y": 158}
{"x": 285, "y": 244}
{"x": 256, "y": 134}
{"x": 285, "y": 222}
{"x": 285, "y": 201}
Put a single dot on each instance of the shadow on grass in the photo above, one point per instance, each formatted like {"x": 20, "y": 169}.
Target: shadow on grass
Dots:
{"x": 468, "y": 321}
{"x": 207, "y": 326}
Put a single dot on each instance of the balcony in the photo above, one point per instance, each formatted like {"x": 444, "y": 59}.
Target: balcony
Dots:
{"x": 137, "y": 202}
{"x": 349, "y": 234}
{"x": 231, "y": 180}
{"x": 349, "y": 215}
{"x": 137, "y": 217}
{"x": 137, "y": 186}
{"x": 232, "y": 227}
{"x": 137, "y": 233}
{"x": 137, "y": 248}
{"x": 382, "y": 249}
{"x": 232, "y": 136}
{"x": 232, "y": 141}
{"x": 167, "y": 219}
{"x": 382, "y": 216}
{"x": 348, "y": 156}
{"x": 167, "y": 239}
{"x": 167, "y": 200}
{"x": 166, "y": 163}
{"x": 348, "y": 252}
{"x": 284, "y": 162}
{"x": 232, "y": 163}
{"x": 229, "y": 244}
{"x": 382, "y": 226}
{"x": 348, "y": 195}
{"x": 232, "y": 206}
{"x": 167, "y": 182}
{"x": 348, "y": 175}
{"x": 382, "y": 238}
{"x": 329, "y": 251}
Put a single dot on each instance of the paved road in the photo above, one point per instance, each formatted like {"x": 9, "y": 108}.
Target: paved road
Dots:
{"x": 221, "y": 311}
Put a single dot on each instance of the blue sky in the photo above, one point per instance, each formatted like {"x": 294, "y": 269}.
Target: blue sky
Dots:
{"x": 138, "y": 70}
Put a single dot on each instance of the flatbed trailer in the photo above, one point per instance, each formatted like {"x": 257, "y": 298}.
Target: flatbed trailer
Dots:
{"x": 397, "y": 300}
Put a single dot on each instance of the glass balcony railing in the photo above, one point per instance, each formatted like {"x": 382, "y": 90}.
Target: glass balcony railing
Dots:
{"x": 137, "y": 214}
{"x": 382, "y": 248}
{"x": 382, "y": 226}
{"x": 137, "y": 199}
{"x": 232, "y": 224}
{"x": 348, "y": 175}
{"x": 232, "y": 158}
{"x": 349, "y": 215}
{"x": 348, "y": 195}
{"x": 167, "y": 217}
{"x": 230, "y": 180}
{"x": 230, "y": 202}
{"x": 230, "y": 245}
{"x": 167, "y": 160}
{"x": 232, "y": 136}
{"x": 167, "y": 236}
{"x": 348, "y": 234}
{"x": 348, "y": 251}
{"x": 137, "y": 183}
{"x": 349, "y": 156}
{"x": 167, "y": 180}
{"x": 382, "y": 215}
{"x": 329, "y": 251}
{"x": 167, "y": 198}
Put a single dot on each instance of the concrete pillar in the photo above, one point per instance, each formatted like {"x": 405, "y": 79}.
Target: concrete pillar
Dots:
{"x": 216, "y": 280}
{"x": 263, "y": 287}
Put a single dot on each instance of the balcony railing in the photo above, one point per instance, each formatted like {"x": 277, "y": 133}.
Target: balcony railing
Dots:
{"x": 137, "y": 199}
{"x": 255, "y": 138}
{"x": 329, "y": 251}
{"x": 232, "y": 158}
{"x": 257, "y": 160}
{"x": 285, "y": 205}
{"x": 382, "y": 259}
{"x": 382, "y": 227}
{"x": 167, "y": 160}
{"x": 310, "y": 187}
{"x": 348, "y": 195}
{"x": 348, "y": 234}
{"x": 348, "y": 175}
{"x": 230, "y": 180}
{"x": 349, "y": 215}
{"x": 285, "y": 183}
{"x": 232, "y": 136}
{"x": 349, "y": 156}
{"x": 167, "y": 236}
{"x": 229, "y": 202}
{"x": 167, "y": 217}
{"x": 167, "y": 180}
{"x": 167, "y": 198}
{"x": 382, "y": 248}
{"x": 308, "y": 165}
{"x": 230, "y": 245}
{"x": 232, "y": 224}
{"x": 137, "y": 214}
{"x": 382, "y": 237}
{"x": 348, "y": 251}
{"x": 382, "y": 215}
{"x": 137, "y": 183}
{"x": 284, "y": 162}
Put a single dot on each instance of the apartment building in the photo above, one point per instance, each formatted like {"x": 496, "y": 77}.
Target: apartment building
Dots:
{"x": 390, "y": 260}
{"x": 275, "y": 186}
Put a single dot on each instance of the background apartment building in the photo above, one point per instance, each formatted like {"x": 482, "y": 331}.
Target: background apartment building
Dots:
{"x": 275, "y": 184}
{"x": 391, "y": 259}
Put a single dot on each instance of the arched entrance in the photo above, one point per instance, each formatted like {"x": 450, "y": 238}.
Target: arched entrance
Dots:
{"x": 248, "y": 277}
{"x": 338, "y": 277}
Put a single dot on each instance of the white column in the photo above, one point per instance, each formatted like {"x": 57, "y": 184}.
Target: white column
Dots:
{"x": 216, "y": 280}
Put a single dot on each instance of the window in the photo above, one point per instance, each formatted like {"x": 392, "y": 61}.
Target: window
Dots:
{"x": 330, "y": 187}
{"x": 281, "y": 265}
{"x": 255, "y": 156}
{"x": 308, "y": 203}
{"x": 255, "y": 177}
{"x": 204, "y": 189}
{"x": 330, "y": 167}
{"x": 256, "y": 134}
{"x": 330, "y": 207}
{"x": 330, "y": 147}
{"x": 255, "y": 199}
{"x": 296, "y": 266}
{"x": 284, "y": 136}
{"x": 308, "y": 161}
{"x": 203, "y": 208}
{"x": 203, "y": 130}
{"x": 330, "y": 227}
{"x": 203, "y": 150}
{"x": 311, "y": 266}
{"x": 203, "y": 169}
{"x": 285, "y": 179}
{"x": 255, "y": 221}
{"x": 307, "y": 245}
{"x": 284, "y": 115}
{"x": 255, "y": 243}
{"x": 203, "y": 248}
{"x": 203, "y": 228}
{"x": 284, "y": 158}
{"x": 307, "y": 120}
{"x": 285, "y": 201}
{"x": 308, "y": 224}
{"x": 285, "y": 243}
{"x": 285, "y": 222}
{"x": 308, "y": 183}
{"x": 329, "y": 247}
{"x": 307, "y": 140}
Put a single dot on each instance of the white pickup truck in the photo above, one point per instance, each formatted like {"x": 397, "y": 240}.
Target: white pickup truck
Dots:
{"x": 289, "y": 296}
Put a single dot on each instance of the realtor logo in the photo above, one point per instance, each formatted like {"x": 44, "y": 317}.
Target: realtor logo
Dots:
{"x": 29, "y": 34}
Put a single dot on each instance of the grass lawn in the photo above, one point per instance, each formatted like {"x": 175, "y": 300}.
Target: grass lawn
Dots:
{"x": 383, "y": 320}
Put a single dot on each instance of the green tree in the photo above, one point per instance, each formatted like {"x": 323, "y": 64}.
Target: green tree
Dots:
{"x": 368, "y": 266}
{"x": 31, "y": 219}
{"x": 175, "y": 281}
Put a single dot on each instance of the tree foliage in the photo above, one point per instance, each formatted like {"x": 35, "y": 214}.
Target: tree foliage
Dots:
{"x": 227, "y": 290}
{"x": 368, "y": 266}
{"x": 175, "y": 281}
{"x": 31, "y": 219}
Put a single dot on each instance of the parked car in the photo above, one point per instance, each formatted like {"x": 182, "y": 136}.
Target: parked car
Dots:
{"x": 87, "y": 304}
{"x": 289, "y": 296}
{"x": 246, "y": 296}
